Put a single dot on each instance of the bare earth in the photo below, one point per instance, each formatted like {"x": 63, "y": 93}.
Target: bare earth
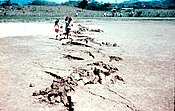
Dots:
{"x": 148, "y": 66}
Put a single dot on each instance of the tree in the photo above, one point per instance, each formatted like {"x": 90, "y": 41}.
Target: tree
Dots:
{"x": 171, "y": 1}
{"x": 6, "y": 3}
{"x": 93, "y": 6}
{"x": 83, "y": 4}
{"x": 37, "y": 2}
{"x": 105, "y": 6}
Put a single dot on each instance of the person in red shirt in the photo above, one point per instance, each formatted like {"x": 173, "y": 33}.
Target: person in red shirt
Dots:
{"x": 56, "y": 26}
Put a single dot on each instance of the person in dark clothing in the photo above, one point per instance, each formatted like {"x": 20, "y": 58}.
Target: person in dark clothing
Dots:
{"x": 68, "y": 26}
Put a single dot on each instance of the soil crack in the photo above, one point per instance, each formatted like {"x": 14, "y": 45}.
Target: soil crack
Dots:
{"x": 131, "y": 106}
{"x": 70, "y": 57}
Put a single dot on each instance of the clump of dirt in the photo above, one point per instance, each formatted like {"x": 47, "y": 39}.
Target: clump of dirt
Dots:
{"x": 70, "y": 57}
{"x": 108, "y": 44}
{"x": 87, "y": 39}
{"x": 58, "y": 91}
{"x": 90, "y": 73}
{"x": 77, "y": 43}
{"x": 83, "y": 28}
{"x": 105, "y": 68}
{"x": 90, "y": 54}
{"x": 96, "y": 30}
{"x": 93, "y": 73}
{"x": 115, "y": 58}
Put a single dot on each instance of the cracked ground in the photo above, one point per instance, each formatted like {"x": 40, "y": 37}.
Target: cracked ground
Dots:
{"x": 148, "y": 53}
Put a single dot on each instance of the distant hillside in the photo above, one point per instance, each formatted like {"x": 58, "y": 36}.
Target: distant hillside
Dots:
{"x": 21, "y": 1}
{"x": 27, "y": 2}
{"x": 62, "y": 11}
{"x": 47, "y": 11}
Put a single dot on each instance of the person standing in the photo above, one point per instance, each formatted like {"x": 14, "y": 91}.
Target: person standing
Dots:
{"x": 76, "y": 14}
{"x": 61, "y": 31}
{"x": 68, "y": 26}
{"x": 56, "y": 26}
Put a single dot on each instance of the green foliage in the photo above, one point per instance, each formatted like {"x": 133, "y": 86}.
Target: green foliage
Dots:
{"x": 38, "y": 2}
{"x": 42, "y": 2}
{"x": 93, "y": 6}
{"x": 65, "y": 3}
{"x": 148, "y": 5}
{"x": 99, "y": 6}
{"x": 83, "y": 4}
{"x": 136, "y": 5}
{"x": 154, "y": 13}
{"x": 6, "y": 3}
{"x": 138, "y": 14}
{"x": 106, "y": 7}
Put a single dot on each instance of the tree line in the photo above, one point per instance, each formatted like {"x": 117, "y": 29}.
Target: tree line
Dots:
{"x": 163, "y": 4}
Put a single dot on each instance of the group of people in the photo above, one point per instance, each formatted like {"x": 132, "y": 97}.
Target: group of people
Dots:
{"x": 60, "y": 31}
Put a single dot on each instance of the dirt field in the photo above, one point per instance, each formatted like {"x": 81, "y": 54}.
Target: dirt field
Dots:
{"x": 30, "y": 59}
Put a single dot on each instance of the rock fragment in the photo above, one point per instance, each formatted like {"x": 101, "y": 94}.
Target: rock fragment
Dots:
{"x": 115, "y": 58}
